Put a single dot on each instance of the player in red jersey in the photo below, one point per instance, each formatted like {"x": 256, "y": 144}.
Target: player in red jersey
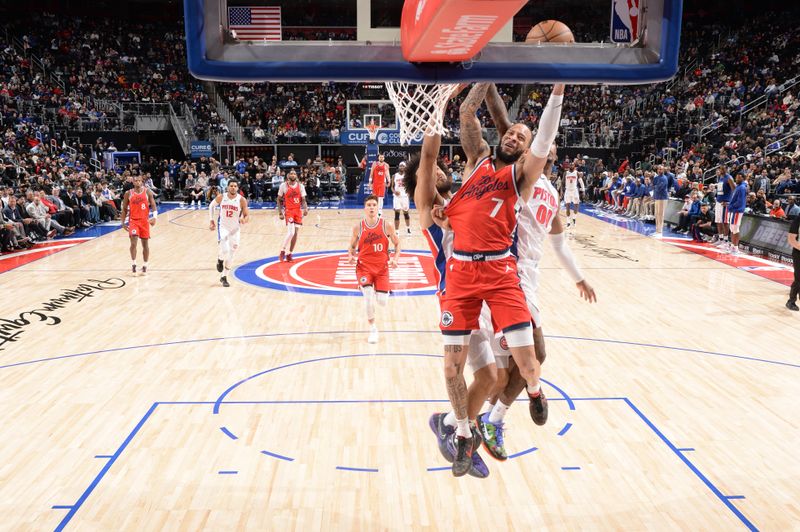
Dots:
{"x": 483, "y": 218}
{"x": 137, "y": 204}
{"x": 292, "y": 207}
{"x": 371, "y": 238}
{"x": 378, "y": 176}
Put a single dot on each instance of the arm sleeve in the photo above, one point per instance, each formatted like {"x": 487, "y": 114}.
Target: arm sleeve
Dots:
{"x": 548, "y": 126}
{"x": 565, "y": 257}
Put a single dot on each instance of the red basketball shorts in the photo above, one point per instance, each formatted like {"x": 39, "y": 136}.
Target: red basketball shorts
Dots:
{"x": 469, "y": 284}
{"x": 140, "y": 228}
{"x": 377, "y": 278}
{"x": 294, "y": 216}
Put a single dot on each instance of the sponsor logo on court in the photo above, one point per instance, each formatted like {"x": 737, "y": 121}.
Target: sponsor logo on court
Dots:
{"x": 330, "y": 273}
{"x": 12, "y": 328}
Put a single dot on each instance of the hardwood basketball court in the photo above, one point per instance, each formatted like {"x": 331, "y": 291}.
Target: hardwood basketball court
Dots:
{"x": 168, "y": 402}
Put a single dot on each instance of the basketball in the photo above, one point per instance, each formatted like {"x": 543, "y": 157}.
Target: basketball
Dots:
{"x": 550, "y": 31}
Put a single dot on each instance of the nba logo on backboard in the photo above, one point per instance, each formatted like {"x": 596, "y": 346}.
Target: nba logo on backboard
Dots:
{"x": 625, "y": 18}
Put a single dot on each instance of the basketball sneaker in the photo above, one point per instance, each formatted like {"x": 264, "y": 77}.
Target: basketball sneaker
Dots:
{"x": 408, "y": 231}
{"x": 133, "y": 269}
{"x": 288, "y": 257}
{"x": 462, "y": 449}
{"x": 219, "y": 265}
{"x": 538, "y": 408}
{"x": 281, "y": 258}
{"x": 224, "y": 281}
{"x": 791, "y": 305}
{"x": 373, "y": 335}
{"x": 479, "y": 468}
{"x": 443, "y": 433}
{"x": 492, "y": 435}
{"x": 144, "y": 270}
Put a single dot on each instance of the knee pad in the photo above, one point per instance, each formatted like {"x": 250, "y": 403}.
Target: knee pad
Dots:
{"x": 382, "y": 298}
{"x": 519, "y": 337}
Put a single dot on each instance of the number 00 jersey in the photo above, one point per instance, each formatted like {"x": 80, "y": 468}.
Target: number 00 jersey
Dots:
{"x": 536, "y": 220}
{"x": 373, "y": 246}
{"x": 483, "y": 213}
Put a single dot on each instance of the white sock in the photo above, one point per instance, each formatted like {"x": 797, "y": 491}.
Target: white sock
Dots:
{"x": 534, "y": 390}
{"x": 462, "y": 428}
{"x": 487, "y": 407}
{"x": 498, "y": 412}
{"x": 133, "y": 262}
{"x": 450, "y": 419}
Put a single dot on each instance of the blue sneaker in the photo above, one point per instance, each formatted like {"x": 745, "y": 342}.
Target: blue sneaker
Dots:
{"x": 442, "y": 431}
{"x": 479, "y": 468}
{"x": 492, "y": 434}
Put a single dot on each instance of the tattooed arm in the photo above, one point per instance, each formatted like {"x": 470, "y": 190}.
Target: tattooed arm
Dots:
{"x": 497, "y": 108}
{"x": 471, "y": 139}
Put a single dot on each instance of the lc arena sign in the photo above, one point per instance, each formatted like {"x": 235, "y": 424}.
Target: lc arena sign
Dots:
{"x": 328, "y": 273}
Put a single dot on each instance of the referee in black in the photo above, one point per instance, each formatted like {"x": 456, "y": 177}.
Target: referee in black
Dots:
{"x": 794, "y": 241}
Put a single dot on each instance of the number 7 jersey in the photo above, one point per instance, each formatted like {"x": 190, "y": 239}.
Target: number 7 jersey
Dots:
{"x": 483, "y": 213}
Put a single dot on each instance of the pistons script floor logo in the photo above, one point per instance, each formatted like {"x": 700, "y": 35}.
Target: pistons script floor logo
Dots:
{"x": 328, "y": 273}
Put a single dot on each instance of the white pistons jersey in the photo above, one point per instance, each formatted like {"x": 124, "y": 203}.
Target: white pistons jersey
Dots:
{"x": 229, "y": 212}
{"x": 400, "y": 184}
{"x": 535, "y": 221}
{"x": 571, "y": 182}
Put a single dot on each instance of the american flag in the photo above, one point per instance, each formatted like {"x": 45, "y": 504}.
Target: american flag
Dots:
{"x": 255, "y": 23}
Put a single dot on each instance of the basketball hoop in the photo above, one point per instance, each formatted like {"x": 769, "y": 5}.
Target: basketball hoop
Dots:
{"x": 373, "y": 129}
{"x": 420, "y": 108}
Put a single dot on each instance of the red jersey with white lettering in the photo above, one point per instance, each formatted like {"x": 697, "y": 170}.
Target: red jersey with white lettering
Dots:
{"x": 372, "y": 268}
{"x": 483, "y": 213}
{"x": 138, "y": 205}
{"x": 139, "y": 209}
{"x": 373, "y": 245}
{"x": 293, "y": 201}
{"x": 379, "y": 173}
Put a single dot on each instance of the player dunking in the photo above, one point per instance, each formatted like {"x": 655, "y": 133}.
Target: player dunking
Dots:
{"x": 572, "y": 198}
{"x": 378, "y": 176}
{"x": 371, "y": 238}
{"x": 482, "y": 216}
{"x": 400, "y": 197}
{"x": 137, "y": 203}
{"x": 292, "y": 206}
{"x": 429, "y": 183}
{"x": 233, "y": 212}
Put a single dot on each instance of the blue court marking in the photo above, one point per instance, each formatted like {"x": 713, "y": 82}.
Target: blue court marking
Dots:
{"x": 570, "y": 468}
{"x": 317, "y": 333}
{"x": 442, "y": 468}
{"x": 103, "y": 456}
{"x": 247, "y": 274}
{"x": 565, "y": 429}
{"x": 61, "y": 507}
{"x": 227, "y": 472}
{"x": 522, "y": 453}
{"x": 279, "y": 456}
{"x": 88, "y": 491}
{"x": 358, "y": 469}
{"x": 228, "y": 433}
{"x": 627, "y": 401}
{"x": 220, "y": 399}
{"x": 693, "y": 467}
{"x": 224, "y": 394}
{"x": 734, "y": 497}
{"x": 685, "y": 449}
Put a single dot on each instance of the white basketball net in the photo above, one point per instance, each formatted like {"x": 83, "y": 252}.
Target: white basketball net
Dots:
{"x": 420, "y": 108}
